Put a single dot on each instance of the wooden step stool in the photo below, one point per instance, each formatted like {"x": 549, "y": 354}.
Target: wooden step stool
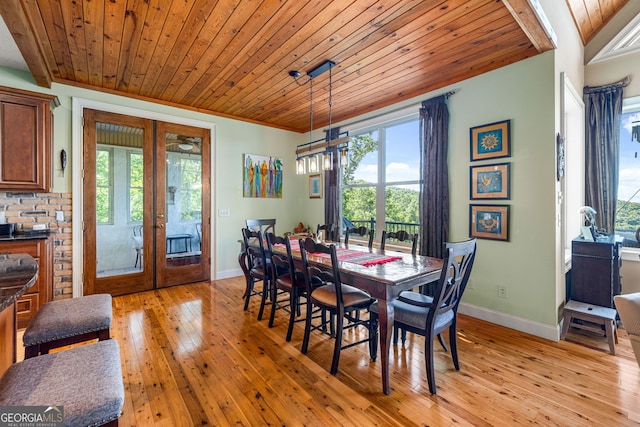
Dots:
{"x": 595, "y": 315}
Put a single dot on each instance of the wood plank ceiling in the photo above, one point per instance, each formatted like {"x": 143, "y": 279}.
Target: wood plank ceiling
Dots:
{"x": 231, "y": 58}
{"x": 591, "y": 15}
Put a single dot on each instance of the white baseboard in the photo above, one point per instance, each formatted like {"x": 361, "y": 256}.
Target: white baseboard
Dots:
{"x": 541, "y": 330}
{"x": 227, "y": 274}
{"x": 523, "y": 325}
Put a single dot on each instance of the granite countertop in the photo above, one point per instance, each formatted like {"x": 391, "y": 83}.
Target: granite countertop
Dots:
{"x": 18, "y": 272}
{"x": 28, "y": 236}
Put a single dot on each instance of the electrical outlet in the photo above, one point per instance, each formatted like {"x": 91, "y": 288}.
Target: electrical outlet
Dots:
{"x": 502, "y": 292}
{"x": 470, "y": 284}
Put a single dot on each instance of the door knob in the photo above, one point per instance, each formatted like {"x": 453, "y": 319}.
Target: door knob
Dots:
{"x": 160, "y": 225}
{"x": 160, "y": 216}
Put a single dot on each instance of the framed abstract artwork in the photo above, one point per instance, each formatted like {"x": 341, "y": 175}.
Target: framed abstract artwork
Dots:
{"x": 489, "y": 222}
{"x": 315, "y": 186}
{"x": 491, "y": 141}
{"x": 262, "y": 176}
{"x": 490, "y": 181}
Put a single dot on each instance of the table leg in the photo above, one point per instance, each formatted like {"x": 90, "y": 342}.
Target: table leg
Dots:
{"x": 386, "y": 318}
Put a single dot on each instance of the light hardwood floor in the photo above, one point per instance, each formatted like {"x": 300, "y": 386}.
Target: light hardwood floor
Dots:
{"x": 192, "y": 356}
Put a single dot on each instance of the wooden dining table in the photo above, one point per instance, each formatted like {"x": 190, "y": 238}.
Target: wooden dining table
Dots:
{"x": 384, "y": 282}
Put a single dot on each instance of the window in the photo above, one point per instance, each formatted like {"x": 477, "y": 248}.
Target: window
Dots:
{"x": 190, "y": 189}
{"x": 381, "y": 184}
{"x": 104, "y": 185}
{"x": 628, "y": 208}
{"x": 136, "y": 186}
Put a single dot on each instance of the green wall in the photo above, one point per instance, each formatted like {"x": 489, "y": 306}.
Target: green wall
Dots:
{"x": 521, "y": 92}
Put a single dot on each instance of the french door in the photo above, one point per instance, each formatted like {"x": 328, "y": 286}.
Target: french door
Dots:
{"x": 146, "y": 203}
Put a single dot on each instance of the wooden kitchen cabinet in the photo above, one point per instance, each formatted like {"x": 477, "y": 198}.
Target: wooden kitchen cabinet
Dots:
{"x": 42, "y": 290}
{"x": 26, "y": 140}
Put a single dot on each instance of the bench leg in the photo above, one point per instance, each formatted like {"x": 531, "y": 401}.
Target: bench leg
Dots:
{"x": 610, "y": 331}
{"x": 565, "y": 326}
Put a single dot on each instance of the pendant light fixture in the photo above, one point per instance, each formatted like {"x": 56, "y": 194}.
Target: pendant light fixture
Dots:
{"x": 312, "y": 156}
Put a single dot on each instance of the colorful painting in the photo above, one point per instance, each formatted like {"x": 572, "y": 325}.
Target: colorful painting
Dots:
{"x": 491, "y": 141}
{"x": 490, "y": 181}
{"x": 262, "y": 176}
{"x": 489, "y": 221}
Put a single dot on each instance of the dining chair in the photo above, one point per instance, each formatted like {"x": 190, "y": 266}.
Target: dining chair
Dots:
{"x": 262, "y": 225}
{"x": 430, "y": 317}
{"x": 400, "y": 236}
{"x": 138, "y": 244}
{"x": 360, "y": 231}
{"x": 329, "y": 232}
{"x": 286, "y": 278}
{"x": 258, "y": 268}
{"x": 328, "y": 294}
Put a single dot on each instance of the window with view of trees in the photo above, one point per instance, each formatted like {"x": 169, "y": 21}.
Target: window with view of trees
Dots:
{"x": 381, "y": 184}
{"x": 628, "y": 208}
{"x": 104, "y": 186}
{"x": 190, "y": 188}
{"x": 136, "y": 186}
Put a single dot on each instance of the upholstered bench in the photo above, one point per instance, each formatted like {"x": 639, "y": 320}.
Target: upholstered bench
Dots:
{"x": 600, "y": 317}
{"x": 65, "y": 322}
{"x": 86, "y": 381}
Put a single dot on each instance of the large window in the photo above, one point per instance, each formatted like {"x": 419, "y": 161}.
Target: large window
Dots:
{"x": 104, "y": 186}
{"x": 628, "y": 209}
{"x": 381, "y": 184}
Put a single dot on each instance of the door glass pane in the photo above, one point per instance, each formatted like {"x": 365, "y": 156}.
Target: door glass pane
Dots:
{"x": 119, "y": 196}
{"x": 184, "y": 199}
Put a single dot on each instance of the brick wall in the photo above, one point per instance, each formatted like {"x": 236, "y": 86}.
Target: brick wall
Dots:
{"x": 27, "y": 209}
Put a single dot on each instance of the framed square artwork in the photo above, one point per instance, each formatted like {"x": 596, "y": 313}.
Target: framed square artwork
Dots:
{"x": 491, "y": 141}
{"x": 489, "y": 222}
{"x": 490, "y": 181}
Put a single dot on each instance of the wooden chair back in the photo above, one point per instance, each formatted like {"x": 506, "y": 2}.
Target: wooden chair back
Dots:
{"x": 400, "y": 236}
{"x": 262, "y": 225}
{"x": 329, "y": 232}
{"x": 360, "y": 231}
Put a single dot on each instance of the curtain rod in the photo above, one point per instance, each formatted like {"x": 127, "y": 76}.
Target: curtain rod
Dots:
{"x": 408, "y": 107}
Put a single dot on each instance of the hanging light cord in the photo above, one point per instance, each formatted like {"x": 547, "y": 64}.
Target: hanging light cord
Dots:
{"x": 310, "y": 110}
{"x": 330, "y": 101}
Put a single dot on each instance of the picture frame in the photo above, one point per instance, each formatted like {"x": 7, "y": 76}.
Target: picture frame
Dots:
{"x": 315, "y": 186}
{"x": 489, "y": 222}
{"x": 491, "y": 141}
{"x": 490, "y": 181}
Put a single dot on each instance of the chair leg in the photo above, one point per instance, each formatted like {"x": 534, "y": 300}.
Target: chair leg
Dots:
{"x": 294, "y": 308}
{"x": 274, "y": 304}
{"x": 338, "y": 344}
{"x": 307, "y": 327}
{"x": 428, "y": 354}
{"x": 442, "y": 343}
{"x": 395, "y": 335}
{"x": 454, "y": 345}
{"x": 265, "y": 293}
{"x": 373, "y": 336}
{"x": 248, "y": 292}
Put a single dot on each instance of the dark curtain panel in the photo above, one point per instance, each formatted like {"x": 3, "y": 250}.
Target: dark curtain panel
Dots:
{"x": 332, "y": 214}
{"x": 434, "y": 194}
{"x": 603, "y": 107}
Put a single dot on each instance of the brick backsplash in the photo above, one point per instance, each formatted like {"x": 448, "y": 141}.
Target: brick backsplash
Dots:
{"x": 25, "y": 209}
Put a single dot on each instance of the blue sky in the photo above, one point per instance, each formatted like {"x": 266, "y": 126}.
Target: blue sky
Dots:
{"x": 402, "y": 156}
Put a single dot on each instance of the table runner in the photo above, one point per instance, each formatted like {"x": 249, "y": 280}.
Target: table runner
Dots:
{"x": 365, "y": 259}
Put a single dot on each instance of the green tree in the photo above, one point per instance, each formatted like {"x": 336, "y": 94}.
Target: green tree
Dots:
{"x": 359, "y": 146}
